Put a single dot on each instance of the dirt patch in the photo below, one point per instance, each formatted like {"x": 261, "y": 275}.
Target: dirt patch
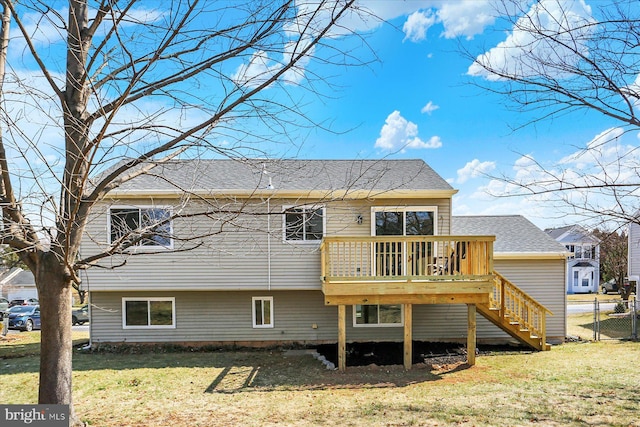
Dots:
{"x": 438, "y": 355}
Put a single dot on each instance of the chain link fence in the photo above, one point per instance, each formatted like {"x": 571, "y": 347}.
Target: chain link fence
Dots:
{"x": 611, "y": 319}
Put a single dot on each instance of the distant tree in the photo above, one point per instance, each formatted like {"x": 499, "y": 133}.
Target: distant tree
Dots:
{"x": 10, "y": 259}
{"x": 613, "y": 258}
{"x": 563, "y": 57}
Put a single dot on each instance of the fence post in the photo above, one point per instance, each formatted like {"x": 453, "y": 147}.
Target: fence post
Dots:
{"x": 634, "y": 319}
{"x": 596, "y": 320}
{"x": 5, "y": 323}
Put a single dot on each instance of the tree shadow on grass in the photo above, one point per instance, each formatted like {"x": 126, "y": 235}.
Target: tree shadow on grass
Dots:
{"x": 248, "y": 370}
{"x": 309, "y": 374}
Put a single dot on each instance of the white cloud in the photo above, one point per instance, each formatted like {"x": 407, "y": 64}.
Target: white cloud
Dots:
{"x": 417, "y": 24}
{"x": 474, "y": 169}
{"x": 530, "y": 50}
{"x": 399, "y": 134}
{"x": 259, "y": 69}
{"x": 466, "y": 17}
{"x": 429, "y": 108}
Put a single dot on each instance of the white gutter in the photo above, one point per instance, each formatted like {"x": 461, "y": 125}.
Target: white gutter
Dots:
{"x": 529, "y": 255}
{"x": 312, "y": 194}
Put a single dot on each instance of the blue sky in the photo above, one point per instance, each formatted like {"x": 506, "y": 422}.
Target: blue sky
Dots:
{"x": 417, "y": 101}
{"x": 414, "y": 98}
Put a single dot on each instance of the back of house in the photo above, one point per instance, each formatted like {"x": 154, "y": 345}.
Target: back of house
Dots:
{"x": 259, "y": 252}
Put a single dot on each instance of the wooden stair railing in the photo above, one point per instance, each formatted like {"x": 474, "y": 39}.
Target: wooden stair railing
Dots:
{"x": 517, "y": 313}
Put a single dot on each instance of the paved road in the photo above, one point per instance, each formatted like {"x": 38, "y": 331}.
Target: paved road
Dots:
{"x": 588, "y": 307}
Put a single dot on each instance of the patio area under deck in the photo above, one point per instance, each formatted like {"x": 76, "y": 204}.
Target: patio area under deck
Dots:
{"x": 407, "y": 270}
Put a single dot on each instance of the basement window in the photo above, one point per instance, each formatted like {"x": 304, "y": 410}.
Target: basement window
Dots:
{"x": 138, "y": 313}
{"x": 262, "y": 313}
{"x": 378, "y": 315}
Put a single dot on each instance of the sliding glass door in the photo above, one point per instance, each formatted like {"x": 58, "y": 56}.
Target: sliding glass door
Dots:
{"x": 399, "y": 258}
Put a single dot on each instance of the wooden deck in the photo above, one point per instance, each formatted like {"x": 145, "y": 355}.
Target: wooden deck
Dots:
{"x": 407, "y": 269}
{"x": 427, "y": 270}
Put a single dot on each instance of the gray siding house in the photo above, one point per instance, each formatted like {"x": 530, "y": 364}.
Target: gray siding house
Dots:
{"x": 583, "y": 262}
{"x": 258, "y": 252}
{"x": 633, "y": 255}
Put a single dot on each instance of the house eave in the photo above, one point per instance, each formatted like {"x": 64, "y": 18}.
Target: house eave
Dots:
{"x": 268, "y": 193}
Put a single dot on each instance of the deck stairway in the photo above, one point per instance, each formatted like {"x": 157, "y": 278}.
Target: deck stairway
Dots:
{"x": 516, "y": 313}
{"x": 430, "y": 270}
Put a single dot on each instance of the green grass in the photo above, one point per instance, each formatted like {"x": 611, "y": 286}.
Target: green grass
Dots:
{"x": 28, "y": 343}
{"x": 572, "y": 385}
{"x": 590, "y": 297}
{"x": 611, "y": 326}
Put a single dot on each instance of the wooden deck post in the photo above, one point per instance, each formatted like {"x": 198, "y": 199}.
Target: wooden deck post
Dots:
{"x": 408, "y": 336}
{"x": 342, "y": 337}
{"x": 471, "y": 334}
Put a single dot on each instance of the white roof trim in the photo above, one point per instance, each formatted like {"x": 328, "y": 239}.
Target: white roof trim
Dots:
{"x": 530, "y": 255}
{"x": 315, "y": 194}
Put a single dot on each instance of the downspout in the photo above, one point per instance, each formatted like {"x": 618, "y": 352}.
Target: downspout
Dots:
{"x": 269, "y": 187}
{"x": 269, "y": 243}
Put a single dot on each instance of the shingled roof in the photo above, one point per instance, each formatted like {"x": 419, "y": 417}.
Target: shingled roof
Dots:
{"x": 226, "y": 175}
{"x": 514, "y": 233}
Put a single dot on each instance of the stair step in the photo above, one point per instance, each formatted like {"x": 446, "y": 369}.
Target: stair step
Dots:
{"x": 524, "y": 330}
{"x": 514, "y": 323}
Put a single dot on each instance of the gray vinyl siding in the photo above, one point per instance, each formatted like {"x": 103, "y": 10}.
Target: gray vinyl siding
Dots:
{"x": 219, "y": 317}
{"x": 225, "y": 317}
{"x": 243, "y": 256}
{"x": 542, "y": 279}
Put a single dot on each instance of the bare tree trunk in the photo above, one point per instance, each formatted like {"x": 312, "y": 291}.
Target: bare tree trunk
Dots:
{"x": 55, "y": 294}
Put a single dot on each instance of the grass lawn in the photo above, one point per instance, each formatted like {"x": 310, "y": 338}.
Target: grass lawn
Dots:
{"x": 591, "y": 297}
{"x": 577, "y": 384}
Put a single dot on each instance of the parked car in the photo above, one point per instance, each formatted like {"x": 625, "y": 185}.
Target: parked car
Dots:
{"x": 24, "y": 317}
{"x": 80, "y": 316}
{"x": 610, "y": 286}
{"x": 24, "y": 301}
{"x": 4, "y": 305}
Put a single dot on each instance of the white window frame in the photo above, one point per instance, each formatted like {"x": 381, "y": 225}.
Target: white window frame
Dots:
{"x": 149, "y": 325}
{"x": 139, "y": 246}
{"x": 404, "y": 210}
{"x": 253, "y": 312}
{"x": 303, "y": 241}
{"x": 378, "y": 325}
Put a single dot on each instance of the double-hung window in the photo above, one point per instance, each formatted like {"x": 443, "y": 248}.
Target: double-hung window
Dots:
{"x": 304, "y": 223}
{"x": 143, "y": 226}
{"x": 150, "y": 313}
{"x": 262, "y": 312}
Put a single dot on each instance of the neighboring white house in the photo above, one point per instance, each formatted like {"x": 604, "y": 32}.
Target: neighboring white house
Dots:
{"x": 315, "y": 251}
{"x": 583, "y": 263}
{"x": 18, "y": 283}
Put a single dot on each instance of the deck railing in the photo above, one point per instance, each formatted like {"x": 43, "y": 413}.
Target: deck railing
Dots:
{"x": 406, "y": 258}
{"x": 518, "y": 308}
